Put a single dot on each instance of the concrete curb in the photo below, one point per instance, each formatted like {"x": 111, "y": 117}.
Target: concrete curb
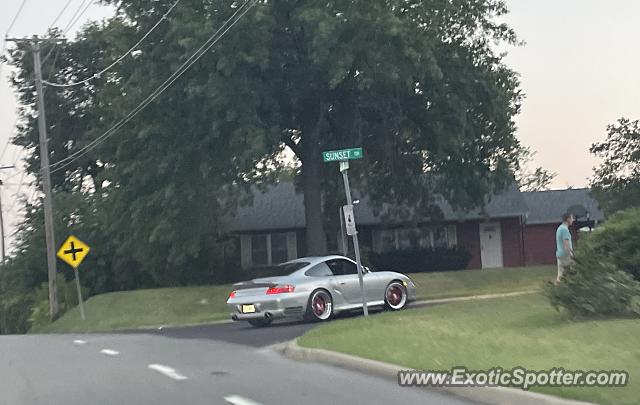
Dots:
{"x": 487, "y": 395}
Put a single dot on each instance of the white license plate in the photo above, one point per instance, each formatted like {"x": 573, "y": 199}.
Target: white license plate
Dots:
{"x": 248, "y": 309}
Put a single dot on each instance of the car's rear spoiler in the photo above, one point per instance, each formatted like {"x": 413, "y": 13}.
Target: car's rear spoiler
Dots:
{"x": 250, "y": 284}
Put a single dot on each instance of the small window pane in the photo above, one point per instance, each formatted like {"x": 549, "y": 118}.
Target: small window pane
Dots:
{"x": 387, "y": 240}
{"x": 259, "y": 256}
{"x": 440, "y": 238}
{"x": 279, "y": 253}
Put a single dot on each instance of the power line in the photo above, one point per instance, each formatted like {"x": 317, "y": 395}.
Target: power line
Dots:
{"x": 60, "y": 14}
{"x": 121, "y": 58}
{"x": 208, "y": 44}
{"x": 79, "y": 16}
{"x": 15, "y": 18}
{"x": 73, "y": 17}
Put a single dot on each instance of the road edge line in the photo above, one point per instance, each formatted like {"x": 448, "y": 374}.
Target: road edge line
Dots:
{"x": 487, "y": 395}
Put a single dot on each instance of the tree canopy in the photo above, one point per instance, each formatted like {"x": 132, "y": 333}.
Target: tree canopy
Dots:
{"x": 616, "y": 181}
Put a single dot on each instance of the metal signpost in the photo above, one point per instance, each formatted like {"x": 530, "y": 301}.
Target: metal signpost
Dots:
{"x": 73, "y": 251}
{"x": 343, "y": 156}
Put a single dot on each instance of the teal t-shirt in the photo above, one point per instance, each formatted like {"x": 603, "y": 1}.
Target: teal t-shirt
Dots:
{"x": 563, "y": 234}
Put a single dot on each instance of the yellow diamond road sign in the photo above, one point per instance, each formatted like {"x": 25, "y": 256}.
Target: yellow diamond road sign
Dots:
{"x": 73, "y": 251}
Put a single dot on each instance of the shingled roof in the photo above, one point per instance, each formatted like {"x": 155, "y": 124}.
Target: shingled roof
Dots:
{"x": 547, "y": 207}
{"x": 281, "y": 207}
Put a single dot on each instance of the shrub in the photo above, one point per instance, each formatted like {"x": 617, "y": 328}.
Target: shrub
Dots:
{"x": 605, "y": 278}
{"x": 421, "y": 260}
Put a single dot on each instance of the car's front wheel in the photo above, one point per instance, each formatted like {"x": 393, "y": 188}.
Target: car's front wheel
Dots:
{"x": 320, "y": 306}
{"x": 395, "y": 296}
{"x": 259, "y": 323}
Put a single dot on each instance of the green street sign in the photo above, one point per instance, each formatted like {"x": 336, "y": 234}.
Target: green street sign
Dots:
{"x": 344, "y": 154}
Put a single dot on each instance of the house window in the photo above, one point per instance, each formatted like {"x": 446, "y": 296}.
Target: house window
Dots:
{"x": 259, "y": 251}
{"x": 268, "y": 249}
{"x": 386, "y": 240}
{"x": 408, "y": 238}
{"x": 279, "y": 252}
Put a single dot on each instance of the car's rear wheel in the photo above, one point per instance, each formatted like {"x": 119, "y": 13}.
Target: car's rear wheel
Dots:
{"x": 395, "y": 296}
{"x": 260, "y": 323}
{"x": 320, "y": 306}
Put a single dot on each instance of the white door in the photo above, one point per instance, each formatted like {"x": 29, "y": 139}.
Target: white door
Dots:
{"x": 490, "y": 245}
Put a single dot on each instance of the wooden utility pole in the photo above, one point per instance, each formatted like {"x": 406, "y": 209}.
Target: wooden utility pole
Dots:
{"x": 35, "y": 43}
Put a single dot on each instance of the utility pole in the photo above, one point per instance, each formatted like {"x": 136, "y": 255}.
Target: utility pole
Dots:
{"x": 3, "y": 315}
{"x": 35, "y": 43}
{"x": 2, "y": 242}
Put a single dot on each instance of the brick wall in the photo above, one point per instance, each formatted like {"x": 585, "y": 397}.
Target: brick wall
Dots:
{"x": 540, "y": 243}
{"x": 512, "y": 249}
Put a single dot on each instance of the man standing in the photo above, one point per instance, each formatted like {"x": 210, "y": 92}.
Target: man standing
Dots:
{"x": 564, "y": 245}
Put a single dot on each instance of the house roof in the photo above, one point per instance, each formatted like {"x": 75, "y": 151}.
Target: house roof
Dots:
{"x": 546, "y": 207}
{"x": 281, "y": 207}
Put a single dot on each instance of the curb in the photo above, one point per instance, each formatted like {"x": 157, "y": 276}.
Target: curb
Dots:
{"x": 487, "y": 395}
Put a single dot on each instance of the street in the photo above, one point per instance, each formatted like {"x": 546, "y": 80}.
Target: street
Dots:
{"x": 194, "y": 365}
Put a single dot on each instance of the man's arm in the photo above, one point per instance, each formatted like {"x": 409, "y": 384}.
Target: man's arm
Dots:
{"x": 566, "y": 242}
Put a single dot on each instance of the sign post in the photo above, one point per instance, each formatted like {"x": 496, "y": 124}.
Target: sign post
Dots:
{"x": 73, "y": 251}
{"x": 343, "y": 156}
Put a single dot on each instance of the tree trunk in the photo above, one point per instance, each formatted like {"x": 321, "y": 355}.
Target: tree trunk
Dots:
{"x": 312, "y": 188}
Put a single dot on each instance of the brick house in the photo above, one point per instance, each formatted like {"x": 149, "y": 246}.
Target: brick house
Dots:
{"x": 271, "y": 230}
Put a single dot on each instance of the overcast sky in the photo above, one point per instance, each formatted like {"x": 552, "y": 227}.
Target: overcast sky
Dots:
{"x": 580, "y": 70}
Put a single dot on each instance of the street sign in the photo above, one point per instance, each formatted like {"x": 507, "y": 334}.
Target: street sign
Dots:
{"x": 349, "y": 220}
{"x": 343, "y": 154}
{"x": 73, "y": 251}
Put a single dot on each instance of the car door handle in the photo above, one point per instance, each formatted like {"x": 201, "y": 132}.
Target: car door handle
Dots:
{"x": 342, "y": 283}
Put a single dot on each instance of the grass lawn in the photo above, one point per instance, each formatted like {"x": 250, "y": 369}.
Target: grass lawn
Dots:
{"x": 192, "y": 305}
{"x": 134, "y": 309}
{"x": 477, "y": 282}
{"x": 507, "y": 332}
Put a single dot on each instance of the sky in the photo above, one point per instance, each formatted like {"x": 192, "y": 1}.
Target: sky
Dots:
{"x": 579, "y": 69}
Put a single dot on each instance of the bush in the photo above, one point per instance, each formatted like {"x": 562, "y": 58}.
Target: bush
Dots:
{"x": 421, "y": 260}
{"x": 605, "y": 277}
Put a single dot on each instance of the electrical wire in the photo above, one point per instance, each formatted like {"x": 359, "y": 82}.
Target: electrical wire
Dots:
{"x": 76, "y": 15}
{"x": 120, "y": 59}
{"x": 208, "y": 44}
{"x": 60, "y": 14}
{"x": 15, "y": 18}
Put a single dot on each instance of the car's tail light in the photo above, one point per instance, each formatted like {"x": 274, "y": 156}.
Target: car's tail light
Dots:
{"x": 281, "y": 289}
{"x": 232, "y": 294}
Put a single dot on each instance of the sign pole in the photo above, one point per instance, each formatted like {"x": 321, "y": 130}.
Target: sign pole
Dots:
{"x": 344, "y": 166}
{"x": 75, "y": 270}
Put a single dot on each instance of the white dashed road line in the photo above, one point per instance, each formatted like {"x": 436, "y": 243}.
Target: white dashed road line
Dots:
{"x": 238, "y": 400}
{"x": 109, "y": 352}
{"x": 79, "y": 342}
{"x": 167, "y": 371}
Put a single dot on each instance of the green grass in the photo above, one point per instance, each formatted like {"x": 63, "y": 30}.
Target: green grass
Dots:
{"x": 192, "y": 305}
{"x": 146, "y": 308}
{"x": 507, "y": 332}
{"x": 477, "y": 282}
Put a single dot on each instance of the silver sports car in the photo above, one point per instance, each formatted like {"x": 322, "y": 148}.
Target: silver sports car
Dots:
{"x": 316, "y": 288}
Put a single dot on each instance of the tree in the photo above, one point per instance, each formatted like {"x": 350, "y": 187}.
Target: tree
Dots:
{"x": 416, "y": 83}
{"x": 537, "y": 180}
{"x": 616, "y": 182}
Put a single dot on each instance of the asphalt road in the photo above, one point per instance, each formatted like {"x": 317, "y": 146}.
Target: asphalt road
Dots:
{"x": 215, "y": 364}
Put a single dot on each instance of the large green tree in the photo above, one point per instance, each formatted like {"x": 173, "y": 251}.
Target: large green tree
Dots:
{"x": 416, "y": 83}
{"x": 616, "y": 181}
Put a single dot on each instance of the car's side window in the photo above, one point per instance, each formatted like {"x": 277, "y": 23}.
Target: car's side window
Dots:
{"x": 341, "y": 267}
{"x": 319, "y": 270}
